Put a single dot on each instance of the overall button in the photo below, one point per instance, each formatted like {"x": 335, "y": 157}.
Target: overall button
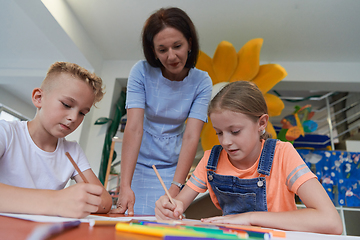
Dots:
{"x": 210, "y": 177}
{"x": 260, "y": 183}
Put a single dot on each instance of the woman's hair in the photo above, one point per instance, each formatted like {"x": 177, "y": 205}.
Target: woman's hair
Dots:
{"x": 169, "y": 17}
{"x": 80, "y": 73}
{"x": 242, "y": 97}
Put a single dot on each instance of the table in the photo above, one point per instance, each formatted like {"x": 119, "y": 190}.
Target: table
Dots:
{"x": 18, "y": 229}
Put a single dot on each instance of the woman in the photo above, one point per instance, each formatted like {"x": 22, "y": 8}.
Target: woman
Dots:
{"x": 162, "y": 93}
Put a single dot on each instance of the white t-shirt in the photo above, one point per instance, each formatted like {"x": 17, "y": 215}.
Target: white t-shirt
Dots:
{"x": 23, "y": 164}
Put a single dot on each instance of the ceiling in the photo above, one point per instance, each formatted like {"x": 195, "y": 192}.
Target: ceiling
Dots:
{"x": 293, "y": 31}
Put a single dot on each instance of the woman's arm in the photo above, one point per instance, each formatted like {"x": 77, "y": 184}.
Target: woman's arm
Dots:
{"x": 129, "y": 154}
{"x": 187, "y": 153}
{"x": 319, "y": 216}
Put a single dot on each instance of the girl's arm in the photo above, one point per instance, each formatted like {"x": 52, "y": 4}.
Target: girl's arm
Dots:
{"x": 319, "y": 216}
{"x": 164, "y": 209}
{"x": 129, "y": 154}
{"x": 106, "y": 200}
{"x": 187, "y": 153}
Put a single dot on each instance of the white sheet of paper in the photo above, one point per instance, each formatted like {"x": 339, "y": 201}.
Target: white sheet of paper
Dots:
{"x": 90, "y": 218}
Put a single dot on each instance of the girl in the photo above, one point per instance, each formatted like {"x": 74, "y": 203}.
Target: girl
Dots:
{"x": 162, "y": 93}
{"x": 253, "y": 179}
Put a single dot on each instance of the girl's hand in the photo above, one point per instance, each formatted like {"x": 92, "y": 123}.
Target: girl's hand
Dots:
{"x": 125, "y": 201}
{"x": 165, "y": 210}
{"x": 242, "y": 219}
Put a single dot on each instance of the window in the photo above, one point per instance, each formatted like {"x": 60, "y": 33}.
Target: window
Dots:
{"x": 10, "y": 115}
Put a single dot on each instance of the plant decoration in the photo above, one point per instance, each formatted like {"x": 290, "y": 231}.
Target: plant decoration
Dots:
{"x": 228, "y": 66}
{"x": 297, "y": 123}
{"x": 110, "y": 133}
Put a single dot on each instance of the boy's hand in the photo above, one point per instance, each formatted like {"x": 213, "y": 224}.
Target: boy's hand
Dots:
{"x": 126, "y": 201}
{"x": 78, "y": 201}
{"x": 165, "y": 210}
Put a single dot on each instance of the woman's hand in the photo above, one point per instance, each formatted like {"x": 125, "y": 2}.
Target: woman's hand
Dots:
{"x": 126, "y": 201}
{"x": 165, "y": 210}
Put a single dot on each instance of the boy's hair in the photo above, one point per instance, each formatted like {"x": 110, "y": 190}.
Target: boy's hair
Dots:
{"x": 79, "y": 72}
{"x": 242, "y": 97}
{"x": 169, "y": 17}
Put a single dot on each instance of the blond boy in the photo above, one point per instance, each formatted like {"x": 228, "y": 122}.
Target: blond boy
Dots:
{"x": 33, "y": 166}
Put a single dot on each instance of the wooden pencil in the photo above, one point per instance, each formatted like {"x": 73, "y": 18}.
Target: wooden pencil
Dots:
{"x": 163, "y": 184}
{"x": 78, "y": 170}
{"x": 76, "y": 167}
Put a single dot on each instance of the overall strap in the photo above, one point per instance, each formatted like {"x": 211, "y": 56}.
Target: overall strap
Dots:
{"x": 214, "y": 157}
{"x": 267, "y": 156}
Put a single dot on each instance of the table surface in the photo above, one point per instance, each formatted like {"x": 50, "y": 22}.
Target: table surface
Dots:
{"x": 18, "y": 229}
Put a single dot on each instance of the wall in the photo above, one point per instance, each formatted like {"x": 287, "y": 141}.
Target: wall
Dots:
{"x": 17, "y": 104}
{"x": 111, "y": 70}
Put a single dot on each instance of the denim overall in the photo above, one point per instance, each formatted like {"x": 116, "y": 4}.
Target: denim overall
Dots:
{"x": 237, "y": 195}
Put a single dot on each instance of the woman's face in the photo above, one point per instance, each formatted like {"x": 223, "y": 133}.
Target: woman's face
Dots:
{"x": 171, "y": 48}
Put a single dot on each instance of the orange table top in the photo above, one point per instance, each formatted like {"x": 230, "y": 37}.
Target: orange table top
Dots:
{"x": 18, "y": 229}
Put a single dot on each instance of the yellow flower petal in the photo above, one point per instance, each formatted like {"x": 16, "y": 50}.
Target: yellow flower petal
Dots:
{"x": 274, "y": 103}
{"x": 224, "y": 61}
{"x": 269, "y": 75}
{"x": 248, "y": 61}
{"x": 208, "y": 136}
{"x": 204, "y": 63}
{"x": 270, "y": 129}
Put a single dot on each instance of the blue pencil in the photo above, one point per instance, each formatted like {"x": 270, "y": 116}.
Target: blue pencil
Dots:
{"x": 45, "y": 231}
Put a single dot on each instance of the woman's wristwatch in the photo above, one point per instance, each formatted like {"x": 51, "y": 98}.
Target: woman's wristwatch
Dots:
{"x": 181, "y": 186}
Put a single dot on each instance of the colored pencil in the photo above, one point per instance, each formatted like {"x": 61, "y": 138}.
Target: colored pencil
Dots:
{"x": 174, "y": 231}
{"x": 43, "y": 232}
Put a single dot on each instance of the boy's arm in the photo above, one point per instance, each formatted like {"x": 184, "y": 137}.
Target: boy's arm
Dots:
{"x": 106, "y": 200}
{"x": 319, "y": 216}
{"x": 76, "y": 201}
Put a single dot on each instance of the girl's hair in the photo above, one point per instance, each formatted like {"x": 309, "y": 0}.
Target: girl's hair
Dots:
{"x": 169, "y": 17}
{"x": 79, "y": 72}
{"x": 242, "y": 97}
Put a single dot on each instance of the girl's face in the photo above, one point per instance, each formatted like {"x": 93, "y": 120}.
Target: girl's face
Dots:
{"x": 239, "y": 136}
{"x": 171, "y": 48}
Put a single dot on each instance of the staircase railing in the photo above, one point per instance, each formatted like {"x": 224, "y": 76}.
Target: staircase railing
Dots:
{"x": 329, "y": 120}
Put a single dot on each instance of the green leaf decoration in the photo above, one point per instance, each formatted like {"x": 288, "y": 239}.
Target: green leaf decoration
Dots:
{"x": 110, "y": 133}
{"x": 102, "y": 120}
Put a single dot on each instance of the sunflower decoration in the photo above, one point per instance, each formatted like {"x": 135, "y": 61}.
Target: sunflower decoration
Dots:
{"x": 227, "y": 66}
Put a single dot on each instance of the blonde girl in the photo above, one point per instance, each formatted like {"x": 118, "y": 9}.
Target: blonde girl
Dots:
{"x": 252, "y": 178}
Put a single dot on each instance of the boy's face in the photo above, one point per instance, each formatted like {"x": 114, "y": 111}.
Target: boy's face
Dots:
{"x": 64, "y": 104}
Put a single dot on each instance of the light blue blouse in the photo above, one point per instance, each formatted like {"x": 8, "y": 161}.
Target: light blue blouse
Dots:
{"x": 167, "y": 104}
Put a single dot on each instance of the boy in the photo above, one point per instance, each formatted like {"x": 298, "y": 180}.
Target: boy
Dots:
{"x": 33, "y": 166}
